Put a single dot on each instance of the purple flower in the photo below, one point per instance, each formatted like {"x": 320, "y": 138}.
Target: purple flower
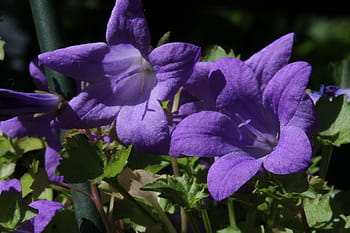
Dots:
{"x": 263, "y": 120}
{"x": 28, "y": 125}
{"x": 126, "y": 78}
{"x": 330, "y": 91}
{"x": 46, "y": 209}
{"x": 13, "y": 103}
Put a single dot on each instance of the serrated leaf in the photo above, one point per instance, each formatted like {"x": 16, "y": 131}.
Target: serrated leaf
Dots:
{"x": 2, "y": 51}
{"x": 318, "y": 211}
{"x": 81, "y": 161}
{"x": 6, "y": 169}
{"x": 216, "y": 52}
{"x": 117, "y": 162}
{"x": 185, "y": 192}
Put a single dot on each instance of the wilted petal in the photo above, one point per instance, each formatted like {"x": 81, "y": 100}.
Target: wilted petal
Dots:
{"x": 127, "y": 24}
{"x": 38, "y": 75}
{"x": 173, "y": 63}
{"x": 292, "y": 153}
{"x": 269, "y": 60}
{"x": 230, "y": 172}
{"x": 7, "y": 186}
{"x": 13, "y": 103}
{"x": 204, "y": 134}
{"x": 81, "y": 62}
{"x": 286, "y": 90}
{"x": 145, "y": 126}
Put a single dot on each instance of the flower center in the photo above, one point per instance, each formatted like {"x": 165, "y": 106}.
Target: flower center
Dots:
{"x": 252, "y": 137}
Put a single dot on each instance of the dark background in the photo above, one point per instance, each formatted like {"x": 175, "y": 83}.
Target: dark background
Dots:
{"x": 322, "y": 32}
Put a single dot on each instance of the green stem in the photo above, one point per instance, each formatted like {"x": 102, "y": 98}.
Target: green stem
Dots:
{"x": 272, "y": 216}
{"x": 176, "y": 101}
{"x": 206, "y": 221}
{"x": 231, "y": 213}
{"x": 325, "y": 160}
{"x": 176, "y": 171}
{"x": 48, "y": 35}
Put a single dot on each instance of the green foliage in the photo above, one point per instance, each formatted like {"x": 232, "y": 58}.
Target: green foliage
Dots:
{"x": 180, "y": 190}
{"x": 215, "y": 52}
{"x": 2, "y": 51}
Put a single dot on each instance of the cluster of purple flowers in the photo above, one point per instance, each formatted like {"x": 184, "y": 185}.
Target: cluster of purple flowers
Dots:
{"x": 251, "y": 116}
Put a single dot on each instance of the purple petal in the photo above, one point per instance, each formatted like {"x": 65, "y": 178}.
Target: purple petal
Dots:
{"x": 52, "y": 160}
{"x": 305, "y": 116}
{"x": 204, "y": 134}
{"x": 269, "y": 60}
{"x": 13, "y": 185}
{"x": 292, "y": 153}
{"x": 23, "y": 126}
{"x": 127, "y": 25}
{"x": 173, "y": 64}
{"x": 47, "y": 210}
{"x": 81, "y": 62}
{"x": 230, "y": 172}
{"x": 38, "y": 74}
{"x": 13, "y": 103}
{"x": 286, "y": 90}
{"x": 100, "y": 103}
{"x": 145, "y": 126}
{"x": 241, "y": 87}
{"x": 198, "y": 84}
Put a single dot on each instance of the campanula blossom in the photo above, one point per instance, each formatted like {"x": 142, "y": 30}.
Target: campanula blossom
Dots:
{"x": 46, "y": 209}
{"x": 264, "y": 119}
{"x": 330, "y": 91}
{"x": 37, "y": 126}
{"x": 127, "y": 78}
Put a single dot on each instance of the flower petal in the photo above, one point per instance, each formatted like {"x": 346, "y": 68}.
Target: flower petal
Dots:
{"x": 230, "y": 172}
{"x": 38, "y": 74}
{"x": 270, "y": 59}
{"x": 81, "y": 62}
{"x": 23, "y": 126}
{"x": 47, "y": 210}
{"x": 305, "y": 116}
{"x": 173, "y": 64}
{"x": 292, "y": 153}
{"x": 52, "y": 160}
{"x": 145, "y": 126}
{"x": 204, "y": 134}
{"x": 127, "y": 25}
{"x": 286, "y": 90}
{"x": 241, "y": 89}
{"x": 12, "y": 185}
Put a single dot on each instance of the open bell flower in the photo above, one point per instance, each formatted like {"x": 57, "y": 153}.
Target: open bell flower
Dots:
{"x": 126, "y": 78}
{"x": 264, "y": 120}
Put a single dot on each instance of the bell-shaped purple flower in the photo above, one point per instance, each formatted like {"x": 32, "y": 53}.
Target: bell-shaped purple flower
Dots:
{"x": 13, "y": 103}
{"x": 46, "y": 209}
{"x": 263, "y": 119}
{"x": 126, "y": 78}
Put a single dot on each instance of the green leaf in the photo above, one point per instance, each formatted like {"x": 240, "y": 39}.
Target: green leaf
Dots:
{"x": 216, "y": 52}
{"x": 10, "y": 210}
{"x": 185, "y": 192}
{"x": 319, "y": 211}
{"x": 117, "y": 162}
{"x": 2, "y": 51}
{"x": 6, "y": 150}
{"x": 81, "y": 161}
{"x": 41, "y": 182}
{"x": 334, "y": 120}
{"x": 26, "y": 182}
{"x": 26, "y": 144}
{"x": 6, "y": 169}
